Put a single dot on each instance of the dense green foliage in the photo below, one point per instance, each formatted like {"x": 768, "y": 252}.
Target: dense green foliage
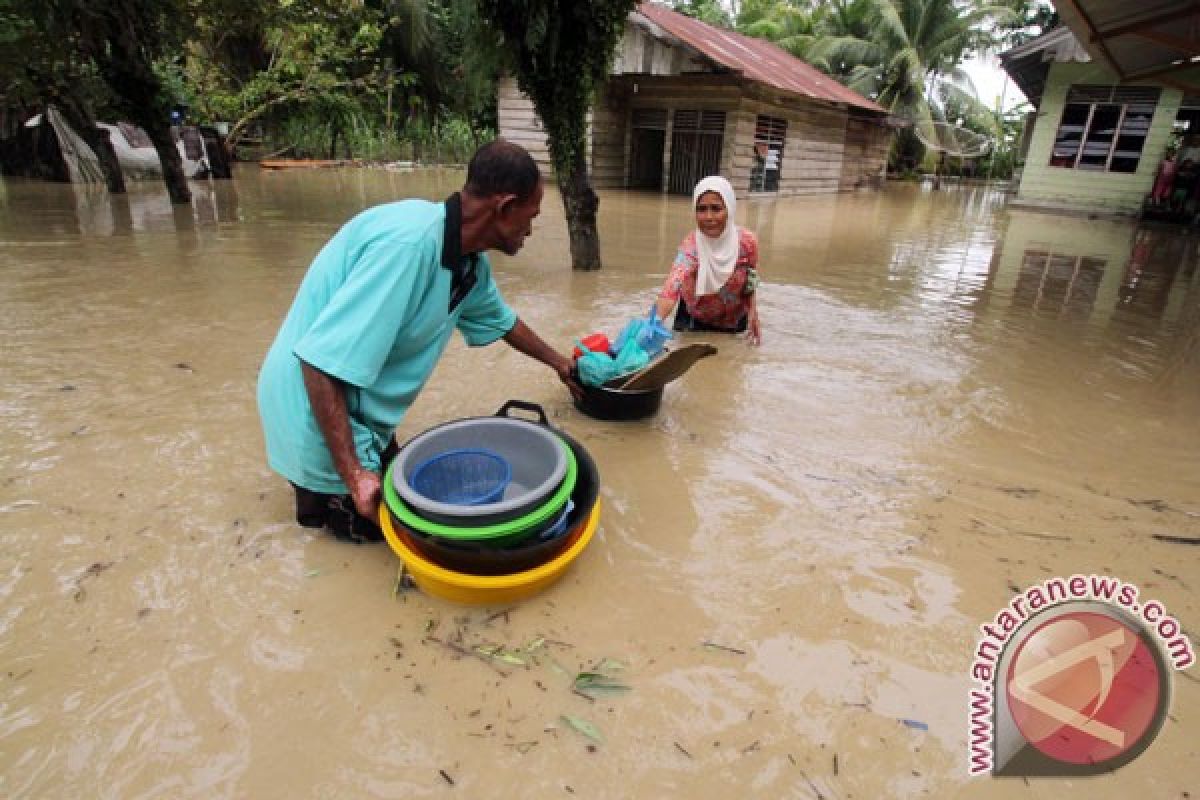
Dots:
{"x": 366, "y": 78}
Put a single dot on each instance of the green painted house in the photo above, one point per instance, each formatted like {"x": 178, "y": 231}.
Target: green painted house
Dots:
{"x": 1097, "y": 139}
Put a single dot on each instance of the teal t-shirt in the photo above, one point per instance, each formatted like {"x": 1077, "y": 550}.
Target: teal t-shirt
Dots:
{"x": 373, "y": 312}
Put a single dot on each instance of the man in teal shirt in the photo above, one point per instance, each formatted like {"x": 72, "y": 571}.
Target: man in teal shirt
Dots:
{"x": 369, "y": 323}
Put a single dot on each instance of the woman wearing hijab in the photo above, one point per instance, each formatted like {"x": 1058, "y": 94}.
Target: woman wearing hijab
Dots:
{"x": 714, "y": 277}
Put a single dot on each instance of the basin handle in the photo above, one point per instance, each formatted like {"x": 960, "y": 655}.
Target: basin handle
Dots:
{"x": 524, "y": 405}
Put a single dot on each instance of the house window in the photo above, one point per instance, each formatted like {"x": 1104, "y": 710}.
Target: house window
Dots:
{"x": 770, "y": 134}
{"x": 1104, "y": 128}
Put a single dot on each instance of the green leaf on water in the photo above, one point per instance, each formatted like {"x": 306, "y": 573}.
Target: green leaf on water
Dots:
{"x": 312, "y": 573}
{"x": 583, "y": 726}
{"x": 498, "y": 653}
{"x": 598, "y": 681}
{"x": 509, "y": 658}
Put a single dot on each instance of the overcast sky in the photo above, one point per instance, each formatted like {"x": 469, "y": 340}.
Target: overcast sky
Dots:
{"x": 990, "y": 82}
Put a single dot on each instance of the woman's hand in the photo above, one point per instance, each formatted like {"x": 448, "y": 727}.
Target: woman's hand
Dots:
{"x": 753, "y": 331}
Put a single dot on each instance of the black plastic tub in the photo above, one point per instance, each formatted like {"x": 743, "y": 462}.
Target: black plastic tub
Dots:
{"x": 602, "y": 403}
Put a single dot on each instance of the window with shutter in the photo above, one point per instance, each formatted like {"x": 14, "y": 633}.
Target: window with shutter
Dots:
{"x": 1104, "y": 128}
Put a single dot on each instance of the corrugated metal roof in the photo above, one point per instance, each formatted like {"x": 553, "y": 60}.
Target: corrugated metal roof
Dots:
{"x": 756, "y": 59}
{"x": 1150, "y": 41}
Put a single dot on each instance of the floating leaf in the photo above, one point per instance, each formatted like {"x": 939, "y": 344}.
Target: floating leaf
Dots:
{"x": 312, "y": 573}
{"x": 598, "y": 681}
{"x": 535, "y": 645}
{"x": 509, "y": 658}
{"x": 583, "y": 726}
{"x": 609, "y": 664}
{"x": 498, "y": 653}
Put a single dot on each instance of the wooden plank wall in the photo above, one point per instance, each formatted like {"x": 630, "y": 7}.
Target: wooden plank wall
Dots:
{"x": 867, "y": 146}
{"x": 813, "y": 153}
{"x": 639, "y": 53}
{"x": 610, "y": 128}
{"x": 519, "y": 123}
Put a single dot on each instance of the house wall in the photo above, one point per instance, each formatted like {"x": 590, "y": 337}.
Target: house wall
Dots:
{"x": 519, "y": 123}
{"x": 864, "y": 161}
{"x": 609, "y": 132}
{"x": 826, "y": 149}
{"x": 1043, "y": 186}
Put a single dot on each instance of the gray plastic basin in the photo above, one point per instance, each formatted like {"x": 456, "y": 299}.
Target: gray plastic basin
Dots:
{"x": 537, "y": 456}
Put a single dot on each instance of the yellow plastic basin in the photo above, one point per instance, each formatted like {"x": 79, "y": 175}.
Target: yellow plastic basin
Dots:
{"x": 458, "y": 587}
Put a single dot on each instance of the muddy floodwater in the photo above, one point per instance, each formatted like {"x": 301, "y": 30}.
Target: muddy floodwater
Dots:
{"x": 955, "y": 400}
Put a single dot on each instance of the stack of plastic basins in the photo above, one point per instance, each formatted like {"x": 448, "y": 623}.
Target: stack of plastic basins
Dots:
{"x": 490, "y": 509}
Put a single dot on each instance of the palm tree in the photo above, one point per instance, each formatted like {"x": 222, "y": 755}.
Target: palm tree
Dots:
{"x": 904, "y": 54}
{"x": 792, "y": 26}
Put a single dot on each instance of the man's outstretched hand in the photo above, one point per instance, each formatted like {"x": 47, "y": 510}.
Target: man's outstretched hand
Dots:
{"x": 566, "y": 373}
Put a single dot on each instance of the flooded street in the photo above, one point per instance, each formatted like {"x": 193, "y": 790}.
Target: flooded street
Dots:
{"x": 954, "y": 400}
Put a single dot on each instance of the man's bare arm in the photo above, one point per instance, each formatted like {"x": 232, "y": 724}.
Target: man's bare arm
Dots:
{"x": 327, "y": 396}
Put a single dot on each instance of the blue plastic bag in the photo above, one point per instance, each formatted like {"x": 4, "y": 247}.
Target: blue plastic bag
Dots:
{"x": 649, "y": 333}
{"x": 654, "y": 335}
{"x": 597, "y": 369}
{"x": 630, "y": 358}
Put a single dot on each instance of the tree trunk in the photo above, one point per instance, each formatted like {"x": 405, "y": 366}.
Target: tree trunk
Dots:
{"x": 168, "y": 154}
{"x": 581, "y": 203}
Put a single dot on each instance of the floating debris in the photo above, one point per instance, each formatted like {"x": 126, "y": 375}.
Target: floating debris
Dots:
{"x": 915, "y": 724}
{"x": 726, "y": 648}
{"x": 500, "y": 654}
{"x": 1163, "y": 537}
{"x": 598, "y": 682}
{"x": 583, "y": 726}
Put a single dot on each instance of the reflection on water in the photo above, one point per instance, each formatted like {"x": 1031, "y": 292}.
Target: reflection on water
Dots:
{"x": 953, "y": 400}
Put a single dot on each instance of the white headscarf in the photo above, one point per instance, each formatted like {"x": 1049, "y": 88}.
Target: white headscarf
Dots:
{"x": 717, "y": 256}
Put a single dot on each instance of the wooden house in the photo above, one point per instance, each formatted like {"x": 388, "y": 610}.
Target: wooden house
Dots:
{"x": 685, "y": 100}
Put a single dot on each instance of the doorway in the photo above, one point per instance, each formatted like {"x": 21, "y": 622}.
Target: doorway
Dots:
{"x": 696, "y": 140}
{"x": 646, "y": 150}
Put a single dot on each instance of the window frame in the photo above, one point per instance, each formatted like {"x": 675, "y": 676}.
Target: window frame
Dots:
{"x": 1089, "y": 98}
{"x": 772, "y": 125}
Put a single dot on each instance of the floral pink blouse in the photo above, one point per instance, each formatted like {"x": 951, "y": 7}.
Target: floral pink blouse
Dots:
{"x": 731, "y": 302}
